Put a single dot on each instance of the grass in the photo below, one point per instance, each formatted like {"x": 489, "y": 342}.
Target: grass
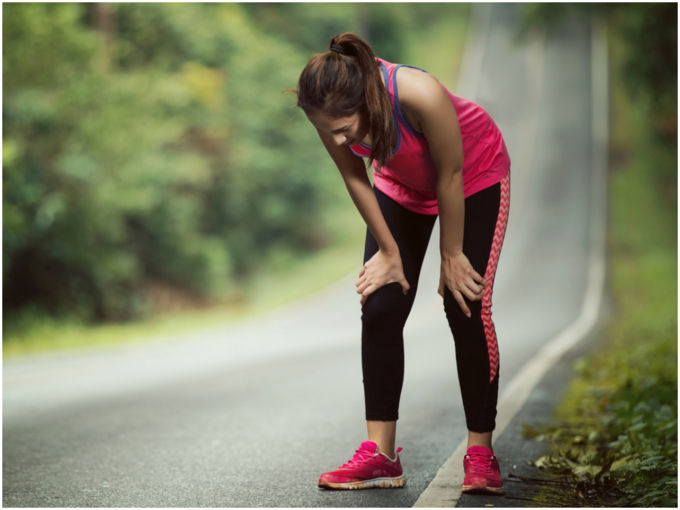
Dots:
{"x": 614, "y": 440}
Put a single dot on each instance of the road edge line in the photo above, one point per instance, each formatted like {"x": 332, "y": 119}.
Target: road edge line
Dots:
{"x": 445, "y": 489}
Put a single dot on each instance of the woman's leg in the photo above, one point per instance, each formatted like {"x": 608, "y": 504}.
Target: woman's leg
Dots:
{"x": 486, "y": 216}
{"x": 383, "y": 319}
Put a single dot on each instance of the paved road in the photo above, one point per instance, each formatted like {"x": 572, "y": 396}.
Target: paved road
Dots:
{"x": 250, "y": 415}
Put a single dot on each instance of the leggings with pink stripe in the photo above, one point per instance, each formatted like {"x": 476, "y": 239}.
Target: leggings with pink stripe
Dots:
{"x": 386, "y": 310}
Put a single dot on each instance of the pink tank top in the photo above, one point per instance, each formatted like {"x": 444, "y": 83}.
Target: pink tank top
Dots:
{"x": 410, "y": 177}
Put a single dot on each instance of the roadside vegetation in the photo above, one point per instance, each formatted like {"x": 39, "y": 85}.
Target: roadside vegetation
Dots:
{"x": 156, "y": 179}
{"x": 614, "y": 439}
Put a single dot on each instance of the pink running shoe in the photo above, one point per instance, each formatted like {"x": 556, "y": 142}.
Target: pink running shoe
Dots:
{"x": 482, "y": 474}
{"x": 368, "y": 469}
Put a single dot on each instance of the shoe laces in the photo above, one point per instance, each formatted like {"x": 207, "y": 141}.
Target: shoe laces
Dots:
{"x": 480, "y": 462}
{"x": 359, "y": 459}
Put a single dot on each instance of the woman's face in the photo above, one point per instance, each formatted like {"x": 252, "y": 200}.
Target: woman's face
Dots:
{"x": 344, "y": 131}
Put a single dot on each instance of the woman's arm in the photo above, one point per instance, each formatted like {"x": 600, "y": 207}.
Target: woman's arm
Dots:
{"x": 385, "y": 266}
{"x": 425, "y": 101}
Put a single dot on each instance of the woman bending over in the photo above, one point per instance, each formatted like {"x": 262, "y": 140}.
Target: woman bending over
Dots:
{"x": 433, "y": 153}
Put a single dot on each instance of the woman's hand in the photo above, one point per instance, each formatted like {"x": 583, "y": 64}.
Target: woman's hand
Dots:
{"x": 380, "y": 270}
{"x": 462, "y": 280}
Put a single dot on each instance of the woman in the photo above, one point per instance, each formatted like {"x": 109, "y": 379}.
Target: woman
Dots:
{"x": 433, "y": 154}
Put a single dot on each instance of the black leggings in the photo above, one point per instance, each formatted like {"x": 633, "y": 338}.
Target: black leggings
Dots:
{"x": 386, "y": 310}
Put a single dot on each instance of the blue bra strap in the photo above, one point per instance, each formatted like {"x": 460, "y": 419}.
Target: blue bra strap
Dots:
{"x": 396, "y": 101}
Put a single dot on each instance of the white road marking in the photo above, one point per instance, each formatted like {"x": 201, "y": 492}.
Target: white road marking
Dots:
{"x": 445, "y": 489}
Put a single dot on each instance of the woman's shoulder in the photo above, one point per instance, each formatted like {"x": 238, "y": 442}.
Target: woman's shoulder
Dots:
{"x": 414, "y": 83}
{"x": 418, "y": 91}
{"x": 411, "y": 81}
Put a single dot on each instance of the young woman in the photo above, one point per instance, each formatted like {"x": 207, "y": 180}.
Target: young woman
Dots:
{"x": 433, "y": 153}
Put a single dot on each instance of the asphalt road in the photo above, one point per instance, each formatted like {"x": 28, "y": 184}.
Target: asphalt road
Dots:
{"x": 250, "y": 415}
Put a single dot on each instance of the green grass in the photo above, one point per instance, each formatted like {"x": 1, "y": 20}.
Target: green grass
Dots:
{"x": 615, "y": 437}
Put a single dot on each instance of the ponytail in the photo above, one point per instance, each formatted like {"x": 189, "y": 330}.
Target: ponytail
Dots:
{"x": 347, "y": 80}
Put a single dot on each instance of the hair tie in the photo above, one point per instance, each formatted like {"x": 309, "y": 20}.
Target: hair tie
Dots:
{"x": 338, "y": 49}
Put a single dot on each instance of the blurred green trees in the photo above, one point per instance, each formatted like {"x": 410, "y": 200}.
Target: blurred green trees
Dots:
{"x": 163, "y": 151}
{"x": 150, "y": 145}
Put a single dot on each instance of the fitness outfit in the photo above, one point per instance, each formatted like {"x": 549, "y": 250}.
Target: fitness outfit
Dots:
{"x": 406, "y": 192}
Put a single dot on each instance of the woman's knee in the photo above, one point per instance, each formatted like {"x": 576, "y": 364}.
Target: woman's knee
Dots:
{"x": 387, "y": 307}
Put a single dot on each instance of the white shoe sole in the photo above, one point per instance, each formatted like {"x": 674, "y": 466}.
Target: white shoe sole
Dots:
{"x": 375, "y": 483}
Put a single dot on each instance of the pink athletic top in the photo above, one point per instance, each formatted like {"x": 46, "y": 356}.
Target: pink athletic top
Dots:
{"x": 410, "y": 177}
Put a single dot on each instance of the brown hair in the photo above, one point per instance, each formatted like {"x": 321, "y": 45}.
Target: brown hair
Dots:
{"x": 342, "y": 84}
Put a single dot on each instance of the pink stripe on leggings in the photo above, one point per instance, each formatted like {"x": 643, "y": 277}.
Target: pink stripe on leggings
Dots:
{"x": 498, "y": 236}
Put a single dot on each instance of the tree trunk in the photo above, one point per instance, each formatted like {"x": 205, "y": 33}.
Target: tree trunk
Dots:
{"x": 104, "y": 21}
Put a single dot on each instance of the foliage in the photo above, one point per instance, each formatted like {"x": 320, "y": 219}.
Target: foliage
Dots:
{"x": 391, "y": 29}
{"x": 152, "y": 164}
{"x": 616, "y": 436}
{"x": 179, "y": 162}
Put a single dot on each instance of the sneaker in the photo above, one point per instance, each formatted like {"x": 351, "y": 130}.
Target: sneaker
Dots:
{"x": 368, "y": 469}
{"x": 482, "y": 474}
